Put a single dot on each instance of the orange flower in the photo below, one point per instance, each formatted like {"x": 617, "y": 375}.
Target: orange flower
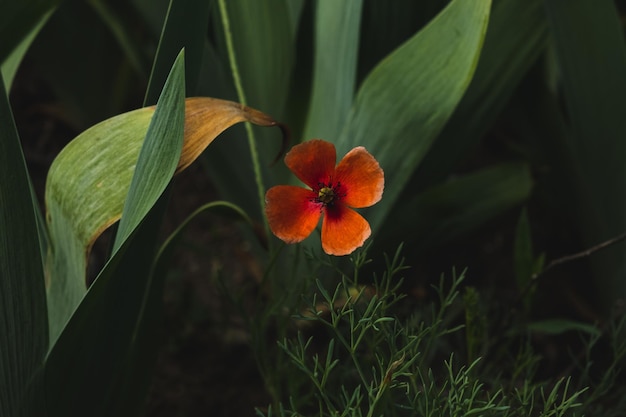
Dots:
{"x": 358, "y": 181}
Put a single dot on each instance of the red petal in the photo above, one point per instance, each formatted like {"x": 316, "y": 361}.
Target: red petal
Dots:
{"x": 343, "y": 230}
{"x": 312, "y": 161}
{"x": 290, "y": 212}
{"x": 361, "y": 177}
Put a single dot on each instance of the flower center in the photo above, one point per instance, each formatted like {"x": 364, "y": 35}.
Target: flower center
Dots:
{"x": 326, "y": 195}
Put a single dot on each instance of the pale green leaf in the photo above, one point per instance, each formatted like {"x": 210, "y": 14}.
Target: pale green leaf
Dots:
{"x": 334, "y": 74}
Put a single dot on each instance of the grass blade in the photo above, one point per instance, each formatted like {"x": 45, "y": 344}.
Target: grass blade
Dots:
{"x": 185, "y": 27}
{"x": 157, "y": 163}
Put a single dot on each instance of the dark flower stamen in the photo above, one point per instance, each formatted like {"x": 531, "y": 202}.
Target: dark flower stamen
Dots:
{"x": 327, "y": 194}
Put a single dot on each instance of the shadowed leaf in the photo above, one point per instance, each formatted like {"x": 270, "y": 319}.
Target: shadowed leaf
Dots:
{"x": 446, "y": 211}
{"x": 591, "y": 53}
{"x": 23, "y": 321}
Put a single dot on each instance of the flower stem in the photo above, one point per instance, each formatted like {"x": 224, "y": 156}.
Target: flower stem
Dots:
{"x": 242, "y": 99}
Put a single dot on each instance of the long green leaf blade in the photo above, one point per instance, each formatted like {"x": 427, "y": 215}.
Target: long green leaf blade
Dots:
{"x": 23, "y": 317}
{"x": 263, "y": 42}
{"x": 516, "y": 36}
{"x": 99, "y": 340}
{"x": 334, "y": 76}
{"x": 406, "y": 100}
{"x": 156, "y": 164}
{"x": 185, "y": 26}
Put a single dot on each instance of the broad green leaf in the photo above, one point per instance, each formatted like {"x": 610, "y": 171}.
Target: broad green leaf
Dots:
{"x": 516, "y": 36}
{"x": 405, "y": 101}
{"x": 263, "y": 44}
{"x": 446, "y": 211}
{"x": 97, "y": 342}
{"x": 23, "y": 323}
{"x": 185, "y": 26}
{"x": 334, "y": 74}
{"x": 88, "y": 182}
{"x": 592, "y": 64}
{"x": 295, "y": 12}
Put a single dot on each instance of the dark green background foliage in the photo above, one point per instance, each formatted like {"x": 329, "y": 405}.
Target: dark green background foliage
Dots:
{"x": 500, "y": 127}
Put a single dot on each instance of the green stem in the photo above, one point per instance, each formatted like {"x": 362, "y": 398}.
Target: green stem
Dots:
{"x": 242, "y": 99}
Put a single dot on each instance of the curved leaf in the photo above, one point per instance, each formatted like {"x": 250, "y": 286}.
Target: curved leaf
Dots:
{"x": 516, "y": 37}
{"x": 90, "y": 357}
{"x": 224, "y": 207}
{"x": 89, "y": 180}
{"x": 405, "y": 101}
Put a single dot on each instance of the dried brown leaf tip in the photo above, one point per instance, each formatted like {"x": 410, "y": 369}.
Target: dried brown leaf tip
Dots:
{"x": 206, "y": 118}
